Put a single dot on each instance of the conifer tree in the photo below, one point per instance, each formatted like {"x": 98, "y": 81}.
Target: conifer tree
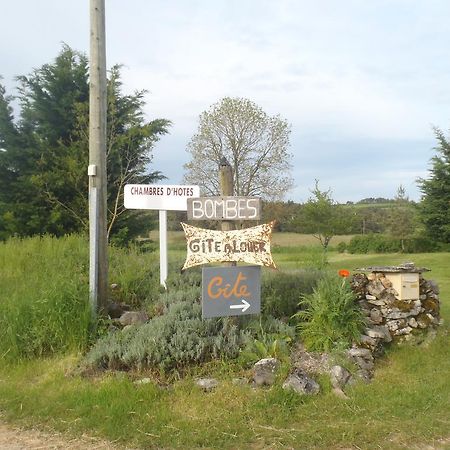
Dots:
{"x": 44, "y": 156}
{"x": 435, "y": 204}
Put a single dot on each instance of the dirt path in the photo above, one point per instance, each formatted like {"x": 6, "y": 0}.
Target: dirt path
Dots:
{"x": 12, "y": 438}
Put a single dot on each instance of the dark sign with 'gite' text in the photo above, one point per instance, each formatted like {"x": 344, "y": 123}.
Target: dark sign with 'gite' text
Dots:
{"x": 231, "y": 291}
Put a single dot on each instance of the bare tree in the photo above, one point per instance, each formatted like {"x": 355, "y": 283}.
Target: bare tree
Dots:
{"x": 255, "y": 144}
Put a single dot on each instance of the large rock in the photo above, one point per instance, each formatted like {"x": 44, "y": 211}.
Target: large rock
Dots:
{"x": 265, "y": 370}
{"x": 375, "y": 288}
{"x": 360, "y": 352}
{"x": 375, "y": 316}
{"x": 394, "y": 325}
{"x": 115, "y": 310}
{"x": 369, "y": 342}
{"x": 359, "y": 282}
{"x": 408, "y": 309}
{"x": 133, "y": 318}
{"x": 379, "y": 332}
{"x": 385, "y": 282}
{"x": 363, "y": 358}
{"x": 207, "y": 384}
{"x": 339, "y": 376}
{"x": 431, "y": 305}
{"x": 364, "y": 364}
{"x": 403, "y": 331}
{"x": 375, "y": 301}
{"x": 301, "y": 384}
{"x": 428, "y": 286}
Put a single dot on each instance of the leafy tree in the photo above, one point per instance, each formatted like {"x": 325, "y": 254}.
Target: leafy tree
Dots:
{"x": 254, "y": 143}
{"x": 45, "y": 157}
{"x": 435, "y": 205}
{"x": 402, "y": 223}
{"x": 324, "y": 217}
{"x": 283, "y": 212}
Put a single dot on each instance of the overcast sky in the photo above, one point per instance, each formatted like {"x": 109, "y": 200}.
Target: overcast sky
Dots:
{"x": 361, "y": 82}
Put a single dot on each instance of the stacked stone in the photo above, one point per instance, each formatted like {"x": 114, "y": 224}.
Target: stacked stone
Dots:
{"x": 389, "y": 318}
{"x": 429, "y": 300}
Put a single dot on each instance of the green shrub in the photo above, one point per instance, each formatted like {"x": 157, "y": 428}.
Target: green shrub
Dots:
{"x": 280, "y": 290}
{"x": 373, "y": 243}
{"x": 421, "y": 244}
{"x": 179, "y": 280}
{"x": 174, "y": 340}
{"x": 263, "y": 326}
{"x": 266, "y": 337}
{"x": 341, "y": 247}
{"x": 330, "y": 317}
{"x": 273, "y": 348}
{"x": 378, "y": 243}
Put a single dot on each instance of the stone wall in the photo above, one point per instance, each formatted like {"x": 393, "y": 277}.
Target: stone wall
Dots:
{"x": 389, "y": 318}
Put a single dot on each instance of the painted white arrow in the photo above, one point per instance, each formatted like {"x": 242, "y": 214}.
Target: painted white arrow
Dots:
{"x": 245, "y": 305}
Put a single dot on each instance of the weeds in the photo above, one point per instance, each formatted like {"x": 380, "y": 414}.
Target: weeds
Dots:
{"x": 44, "y": 293}
{"x": 329, "y": 317}
{"x": 44, "y": 296}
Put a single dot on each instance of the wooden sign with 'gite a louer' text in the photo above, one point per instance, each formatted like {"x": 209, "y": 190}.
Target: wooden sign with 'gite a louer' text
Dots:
{"x": 251, "y": 245}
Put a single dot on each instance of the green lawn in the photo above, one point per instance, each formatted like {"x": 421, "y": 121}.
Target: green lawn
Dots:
{"x": 406, "y": 406}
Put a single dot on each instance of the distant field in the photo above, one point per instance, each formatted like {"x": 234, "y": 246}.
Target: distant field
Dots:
{"x": 297, "y": 239}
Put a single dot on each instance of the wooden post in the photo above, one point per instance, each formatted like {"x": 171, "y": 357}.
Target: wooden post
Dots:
{"x": 226, "y": 189}
{"x": 226, "y": 186}
{"x": 98, "y": 237}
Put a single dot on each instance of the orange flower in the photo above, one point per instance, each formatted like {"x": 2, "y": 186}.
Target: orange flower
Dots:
{"x": 344, "y": 273}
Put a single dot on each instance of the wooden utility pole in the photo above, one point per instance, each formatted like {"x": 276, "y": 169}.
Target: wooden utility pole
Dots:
{"x": 98, "y": 237}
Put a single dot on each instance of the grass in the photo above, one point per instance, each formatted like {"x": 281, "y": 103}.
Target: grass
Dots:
{"x": 43, "y": 309}
{"x": 383, "y": 414}
{"x": 406, "y": 405}
{"x": 44, "y": 293}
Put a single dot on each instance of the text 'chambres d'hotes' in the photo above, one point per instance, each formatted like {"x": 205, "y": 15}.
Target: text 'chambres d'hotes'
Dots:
{"x": 175, "y": 191}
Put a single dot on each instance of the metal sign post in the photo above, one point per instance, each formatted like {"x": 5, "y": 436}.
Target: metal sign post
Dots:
{"x": 162, "y": 198}
{"x": 163, "y": 259}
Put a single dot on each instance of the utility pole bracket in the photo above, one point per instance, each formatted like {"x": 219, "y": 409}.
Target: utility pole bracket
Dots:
{"x": 92, "y": 170}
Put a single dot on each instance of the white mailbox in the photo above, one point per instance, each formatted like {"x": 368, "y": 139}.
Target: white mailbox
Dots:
{"x": 406, "y": 285}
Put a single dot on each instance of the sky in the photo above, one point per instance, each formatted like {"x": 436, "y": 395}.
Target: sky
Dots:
{"x": 362, "y": 83}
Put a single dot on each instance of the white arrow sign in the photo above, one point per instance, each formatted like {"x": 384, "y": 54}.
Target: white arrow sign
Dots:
{"x": 245, "y": 305}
